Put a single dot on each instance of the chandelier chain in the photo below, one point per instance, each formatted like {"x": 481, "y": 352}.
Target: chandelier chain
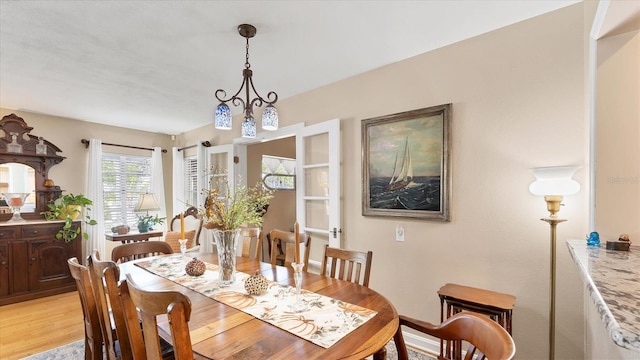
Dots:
{"x": 246, "y": 62}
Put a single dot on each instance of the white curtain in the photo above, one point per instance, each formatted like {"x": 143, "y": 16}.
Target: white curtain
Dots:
{"x": 157, "y": 182}
{"x": 95, "y": 193}
{"x": 201, "y": 157}
{"x": 178, "y": 181}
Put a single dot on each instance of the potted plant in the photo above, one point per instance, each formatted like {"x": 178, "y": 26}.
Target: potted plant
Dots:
{"x": 68, "y": 207}
{"x": 146, "y": 222}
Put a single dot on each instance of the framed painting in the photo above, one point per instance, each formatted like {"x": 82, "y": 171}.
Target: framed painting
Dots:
{"x": 405, "y": 164}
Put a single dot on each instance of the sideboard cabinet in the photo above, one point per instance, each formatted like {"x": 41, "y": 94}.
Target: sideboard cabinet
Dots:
{"x": 33, "y": 263}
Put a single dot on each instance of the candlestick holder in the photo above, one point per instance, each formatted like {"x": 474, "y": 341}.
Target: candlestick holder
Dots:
{"x": 298, "y": 305}
{"x": 183, "y": 246}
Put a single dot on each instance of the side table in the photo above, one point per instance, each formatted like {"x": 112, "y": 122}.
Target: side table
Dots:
{"x": 132, "y": 236}
{"x": 497, "y": 306}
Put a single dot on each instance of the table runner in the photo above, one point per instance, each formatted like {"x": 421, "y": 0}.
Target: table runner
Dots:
{"x": 326, "y": 321}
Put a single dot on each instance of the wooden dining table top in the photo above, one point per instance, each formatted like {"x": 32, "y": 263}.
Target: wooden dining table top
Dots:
{"x": 219, "y": 331}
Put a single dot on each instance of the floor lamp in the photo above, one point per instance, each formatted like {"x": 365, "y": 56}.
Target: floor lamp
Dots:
{"x": 553, "y": 183}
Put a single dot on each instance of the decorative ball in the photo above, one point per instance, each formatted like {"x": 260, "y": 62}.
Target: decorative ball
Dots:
{"x": 256, "y": 284}
{"x": 195, "y": 267}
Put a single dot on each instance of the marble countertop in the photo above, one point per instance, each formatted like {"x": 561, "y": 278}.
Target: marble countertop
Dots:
{"x": 613, "y": 281}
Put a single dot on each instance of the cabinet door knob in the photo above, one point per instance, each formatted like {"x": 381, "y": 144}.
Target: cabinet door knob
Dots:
{"x": 3, "y": 263}
{"x": 34, "y": 232}
{"x": 33, "y": 259}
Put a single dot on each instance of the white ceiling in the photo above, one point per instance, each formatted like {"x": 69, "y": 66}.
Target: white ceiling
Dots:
{"x": 155, "y": 65}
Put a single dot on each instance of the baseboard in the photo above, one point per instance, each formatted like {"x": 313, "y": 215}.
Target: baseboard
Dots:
{"x": 421, "y": 343}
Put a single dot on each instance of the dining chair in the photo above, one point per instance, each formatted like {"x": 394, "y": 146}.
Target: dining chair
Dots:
{"x": 192, "y": 221}
{"x": 283, "y": 247}
{"x": 92, "y": 332}
{"x": 349, "y": 265}
{"x": 139, "y": 250}
{"x": 104, "y": 280}
{"x": 147, "y": 305}
{"x": 487, "y": 339}
{"x": 251, "y": 242}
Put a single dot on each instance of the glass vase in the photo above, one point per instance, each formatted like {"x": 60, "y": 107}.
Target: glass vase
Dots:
{"x": 15, "y": 201}
{"x": 226, "y": 243}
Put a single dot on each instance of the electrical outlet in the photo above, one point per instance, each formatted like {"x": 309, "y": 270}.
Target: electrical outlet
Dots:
{"x": 399, "y": 233}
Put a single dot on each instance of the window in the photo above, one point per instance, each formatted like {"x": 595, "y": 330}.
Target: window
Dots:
{"x": 191, "y": 181}
{"x": 125, "y": 178}
{"x": 278, "y": 173}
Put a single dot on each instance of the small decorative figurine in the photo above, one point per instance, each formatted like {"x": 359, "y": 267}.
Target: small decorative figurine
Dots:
{"x": 593, "y": 239}
{"x": 624, "y": 237}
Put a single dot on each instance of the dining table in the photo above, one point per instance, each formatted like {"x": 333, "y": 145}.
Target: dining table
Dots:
{"x": 220, "y": 331}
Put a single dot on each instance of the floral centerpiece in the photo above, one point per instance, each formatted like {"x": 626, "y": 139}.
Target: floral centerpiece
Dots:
{"x": 228, "y": 211}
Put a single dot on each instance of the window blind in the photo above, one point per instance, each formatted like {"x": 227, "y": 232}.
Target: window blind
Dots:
{"x": 125, "y": 178}
{"x": 191, "y": 181}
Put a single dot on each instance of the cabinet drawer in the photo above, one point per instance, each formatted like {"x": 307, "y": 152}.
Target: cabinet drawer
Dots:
{"x": 9, "y": 233}
{"x": 36, "y": 231}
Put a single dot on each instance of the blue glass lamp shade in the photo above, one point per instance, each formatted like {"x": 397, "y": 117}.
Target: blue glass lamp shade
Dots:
{"x": 223, "y": 117}
{"x": 249, "y": 127}
{"x": 270, "y": 118}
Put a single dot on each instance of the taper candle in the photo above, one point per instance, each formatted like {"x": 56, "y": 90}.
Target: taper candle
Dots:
{"x": 181, "y": 226}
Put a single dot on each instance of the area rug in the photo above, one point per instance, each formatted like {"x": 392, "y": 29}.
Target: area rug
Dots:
{"x": 75, "y": 350}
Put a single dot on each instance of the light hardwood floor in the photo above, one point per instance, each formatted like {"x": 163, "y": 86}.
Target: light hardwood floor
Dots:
{"x": 33, "y": 326}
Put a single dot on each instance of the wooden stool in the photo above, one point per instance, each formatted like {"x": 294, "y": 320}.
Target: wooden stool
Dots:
{"x": 497, "y": 306}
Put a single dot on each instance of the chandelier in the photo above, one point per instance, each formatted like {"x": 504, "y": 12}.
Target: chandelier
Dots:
{"x": 270, "y": 113}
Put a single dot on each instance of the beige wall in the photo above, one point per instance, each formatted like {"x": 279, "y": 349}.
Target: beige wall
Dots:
{"x": 519, "y": 102}
{"x": 618, "y": 131}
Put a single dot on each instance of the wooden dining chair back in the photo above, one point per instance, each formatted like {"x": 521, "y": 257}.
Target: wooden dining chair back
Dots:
{"x": 349, "y": 265}
{"x": 139, "y": 250}
{"x": 146, "y": 305}
{"x": 92, "y": 332}
{"x": 283, "y": 247}
{"x": 192, "y": 221}
{"x": 104, "y": 280}
{"x": 487, "y": 339}
{"x": 251, "y": 242}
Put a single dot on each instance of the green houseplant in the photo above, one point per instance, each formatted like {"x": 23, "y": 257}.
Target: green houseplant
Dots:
{"x": 68, "y": 207}
{"x": 145, "y": 222}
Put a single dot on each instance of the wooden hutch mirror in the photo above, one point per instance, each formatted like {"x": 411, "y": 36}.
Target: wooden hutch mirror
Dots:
{"x": 25, "y": 161}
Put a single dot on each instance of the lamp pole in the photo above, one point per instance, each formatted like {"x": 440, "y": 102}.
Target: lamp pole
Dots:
{"x": 553, "y": 222}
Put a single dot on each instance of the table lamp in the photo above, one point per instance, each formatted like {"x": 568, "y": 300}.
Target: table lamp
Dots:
{"x": 147, "y": 202}
{"x": 553, "y": 183}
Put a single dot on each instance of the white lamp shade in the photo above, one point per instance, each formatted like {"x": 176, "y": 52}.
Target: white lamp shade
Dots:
{"x": 555, "y": 180}
{"x": 147, "y": 202}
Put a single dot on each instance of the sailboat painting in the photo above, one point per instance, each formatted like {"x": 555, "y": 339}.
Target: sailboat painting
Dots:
{"x": 404, "y": 175}
{"x": 405, "y": 163}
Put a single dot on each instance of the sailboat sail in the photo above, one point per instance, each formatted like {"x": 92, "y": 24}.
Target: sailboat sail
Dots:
{"x": 404, "y": 176}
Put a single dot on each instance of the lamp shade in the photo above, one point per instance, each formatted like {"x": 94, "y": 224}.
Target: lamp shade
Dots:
{"x": 147, "y": 202}
{"x": 554, "y": 180}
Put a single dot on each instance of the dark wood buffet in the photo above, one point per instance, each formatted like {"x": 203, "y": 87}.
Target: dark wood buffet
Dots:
{"x": 33, "y": 263}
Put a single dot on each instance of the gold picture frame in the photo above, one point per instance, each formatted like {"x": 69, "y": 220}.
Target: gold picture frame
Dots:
{"x": 406, "y": 164}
